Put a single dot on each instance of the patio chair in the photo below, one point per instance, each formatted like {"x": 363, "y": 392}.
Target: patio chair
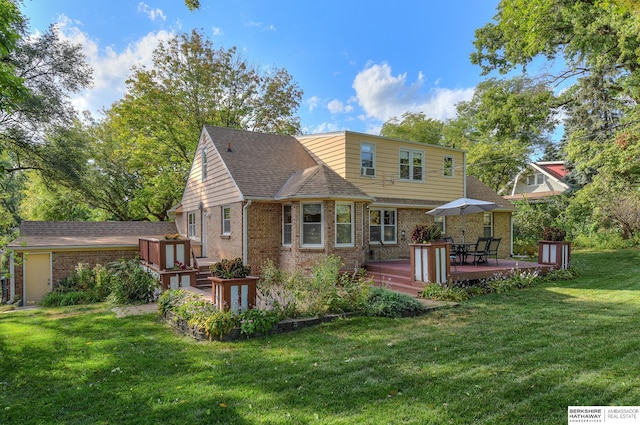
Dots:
{"x": 481, "y": 250}
{"x": 493, "y": 249}
{"x": 453, "y": 255}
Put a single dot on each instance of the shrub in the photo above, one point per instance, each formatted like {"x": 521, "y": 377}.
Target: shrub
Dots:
{"x": 230, "y": 269}
{"x": 434, "y": 291}
{"x": 257, "y": 322}
{"x": 387, "y": 303}
{"x": 131, "y": 284}
{"x": 278, "y": 290}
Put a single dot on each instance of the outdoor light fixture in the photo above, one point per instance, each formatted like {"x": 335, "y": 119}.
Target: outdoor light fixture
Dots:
{"x": 402, "y": 235}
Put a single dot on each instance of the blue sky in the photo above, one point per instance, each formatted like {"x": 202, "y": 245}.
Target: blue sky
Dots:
{"x": 358, "y": 63}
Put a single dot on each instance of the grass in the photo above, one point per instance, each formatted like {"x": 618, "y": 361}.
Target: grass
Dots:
{"x": 511, "y": 358}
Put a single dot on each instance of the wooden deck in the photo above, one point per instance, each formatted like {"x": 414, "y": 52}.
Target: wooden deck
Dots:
{"x": 396, "y": 274}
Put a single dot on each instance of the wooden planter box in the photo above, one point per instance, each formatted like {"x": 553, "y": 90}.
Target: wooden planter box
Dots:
{"x": 234, "y": 294}
{"x": 162, "y": 254}
{"x": 555, "y": 253}
{"x": 174, "y": 279}
{"x": 430, "y": 262}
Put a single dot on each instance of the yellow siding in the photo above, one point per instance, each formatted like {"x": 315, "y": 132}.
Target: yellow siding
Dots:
{"x": 217, "y": 189}
{"x": 327, "y": 149}
{"x": 387, "y": 183}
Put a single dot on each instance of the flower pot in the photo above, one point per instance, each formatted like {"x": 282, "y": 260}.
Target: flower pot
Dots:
{"x": 234, "y": 294}
{"x": 555, "y": 253}
{"x": 430, "y": 262}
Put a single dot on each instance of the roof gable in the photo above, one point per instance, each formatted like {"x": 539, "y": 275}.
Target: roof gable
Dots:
{"x": 259, "y": 163}
{"x": 319, "y": 182}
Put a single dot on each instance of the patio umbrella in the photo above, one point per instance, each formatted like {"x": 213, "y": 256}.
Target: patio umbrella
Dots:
{"x": 462, "y": 206}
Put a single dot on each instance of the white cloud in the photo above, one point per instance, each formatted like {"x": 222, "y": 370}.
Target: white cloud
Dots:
{"x": 217, "y": 31}
{"x": 111, "y": 68}
{"x": 337, "y": 107}
{"x": 152, "y": 13}
{"x": 382, "y": 95}
{"x": 313, "y": 103}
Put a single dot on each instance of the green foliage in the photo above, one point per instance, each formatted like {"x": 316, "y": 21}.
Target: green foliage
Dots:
{"x": 415, "y": 127}
{"x": 279, "y": 290}
{"x": 384, "y": 302}
{"x": 530, "y": 220}
{"x": 424, "y": 233}
{"x": 122, "y": 282}
{"x": 230, "y": 269}
{"x": 258, "y": 322}
{"x": 131, "y": 284}
{"x": 499, "y": 283}
{"x": 554, "y": 234}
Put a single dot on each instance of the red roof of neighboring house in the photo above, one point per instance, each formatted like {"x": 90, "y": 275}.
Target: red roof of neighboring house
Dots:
{"x": 556, "y": 169}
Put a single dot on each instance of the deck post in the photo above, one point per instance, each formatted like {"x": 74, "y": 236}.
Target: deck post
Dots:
{"x": 430, "y": 262}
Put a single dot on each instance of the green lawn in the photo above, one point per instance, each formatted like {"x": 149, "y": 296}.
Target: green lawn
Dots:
{"x": 519, "y": 357}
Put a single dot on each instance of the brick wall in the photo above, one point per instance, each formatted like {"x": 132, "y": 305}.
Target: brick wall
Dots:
{"x": 221, "y": 246}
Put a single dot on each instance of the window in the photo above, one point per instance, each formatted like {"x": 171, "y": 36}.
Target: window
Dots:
{"x": 440, "y": 223}
{"x": 344, "y": 224}
{"x": 447, "y": 166}
{"x": 286, "y": 225}
{"x": 312, "y": 225}
{"x": 226, "y": 220}
{"x": 191, "y": 225}
{"x": 367, "y": 159}
{"x": 487, "y": 222}
{"x": 204, "y": 164}
{"x": 382, "y": 226}
{"x": 411, "y": 164}
{"x": 535, "y": 179}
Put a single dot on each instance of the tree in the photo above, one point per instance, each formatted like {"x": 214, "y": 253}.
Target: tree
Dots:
{"x": 12, "y": 27}
{"x": 146, "y": 143}
{"x": 415, "y": 127}
{"x": 501, "y": 127}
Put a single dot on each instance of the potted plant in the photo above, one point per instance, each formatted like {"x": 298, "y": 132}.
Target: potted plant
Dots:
{"x": 553, "y": 249}
{"x": 232, "y": 286}
{"x": 425, "y": 233}
{"x": 429, "y": 255}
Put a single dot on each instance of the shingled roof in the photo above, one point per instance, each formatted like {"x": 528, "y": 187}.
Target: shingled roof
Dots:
{"x": 478, "y": 190}
{"x": 259, "y": 163}
{"x": 319, "y": 182}
{"x": 86, "y": 234}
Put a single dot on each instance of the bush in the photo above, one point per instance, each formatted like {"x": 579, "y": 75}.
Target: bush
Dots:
{"x": 131, "y": 284}
{"x": 384, "y": 302}
{"x": 424, "y": 233}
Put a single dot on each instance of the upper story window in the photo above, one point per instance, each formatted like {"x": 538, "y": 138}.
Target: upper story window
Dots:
{"x": 447, "y": 166}
{"x": 226, "y": 220}
{"x": 344, "y": 224}
{"x": 487, "y": 222}
{"x": 382, "y": 226}
{"x": 191, "y": 225}
{"x": 535, "y": 179}
{"x": 204, "y": 164}
{"x": 312, "y": 225}
{"x": 286, "y": 225}
{"x": 411, "y": 164}
{"x": 367, "y": 159}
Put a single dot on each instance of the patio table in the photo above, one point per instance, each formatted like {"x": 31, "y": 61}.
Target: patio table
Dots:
{"x": 461, "y": 250}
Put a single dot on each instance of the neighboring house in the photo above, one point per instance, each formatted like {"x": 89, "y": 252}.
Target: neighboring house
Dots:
{"x": 48, "y": 251}
{"x": 539, "y": 181}
{"x": 292, "y": 199}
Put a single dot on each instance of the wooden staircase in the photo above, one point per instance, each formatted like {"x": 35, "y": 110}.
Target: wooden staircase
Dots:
{"x": 203, "y": 274}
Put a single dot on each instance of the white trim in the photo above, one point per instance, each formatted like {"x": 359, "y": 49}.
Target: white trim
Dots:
{"x": 373, "y": 160}
{"x": 302, "y": 223}
{"x": 190, "y": 227}
{"x": 411, "y": 152}
{"x": 204, "y": 162}
{"x": 352, "y": 224}
{"x": 289, "y": 224}
{"x": 222, "y": 220}
{"x": 453, "y": 166}
{"x": 382, "y": 225}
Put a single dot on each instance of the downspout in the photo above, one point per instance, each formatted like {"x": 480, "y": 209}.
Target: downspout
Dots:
{"x": 245, "y": 236}
{"x": 511, "y": 230}
{"x": 12, "y": 278}
{"x": 464, "y": 174}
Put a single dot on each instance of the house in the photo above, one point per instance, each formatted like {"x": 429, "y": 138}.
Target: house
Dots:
{"x": 292, "y": 199}
{"x": 539, "y": 181}
{"x": 48, "y": 251}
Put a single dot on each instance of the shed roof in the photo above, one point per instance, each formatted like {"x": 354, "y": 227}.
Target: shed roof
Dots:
{"x": 478, "y": 190}
{"x": 87, "y": 234}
